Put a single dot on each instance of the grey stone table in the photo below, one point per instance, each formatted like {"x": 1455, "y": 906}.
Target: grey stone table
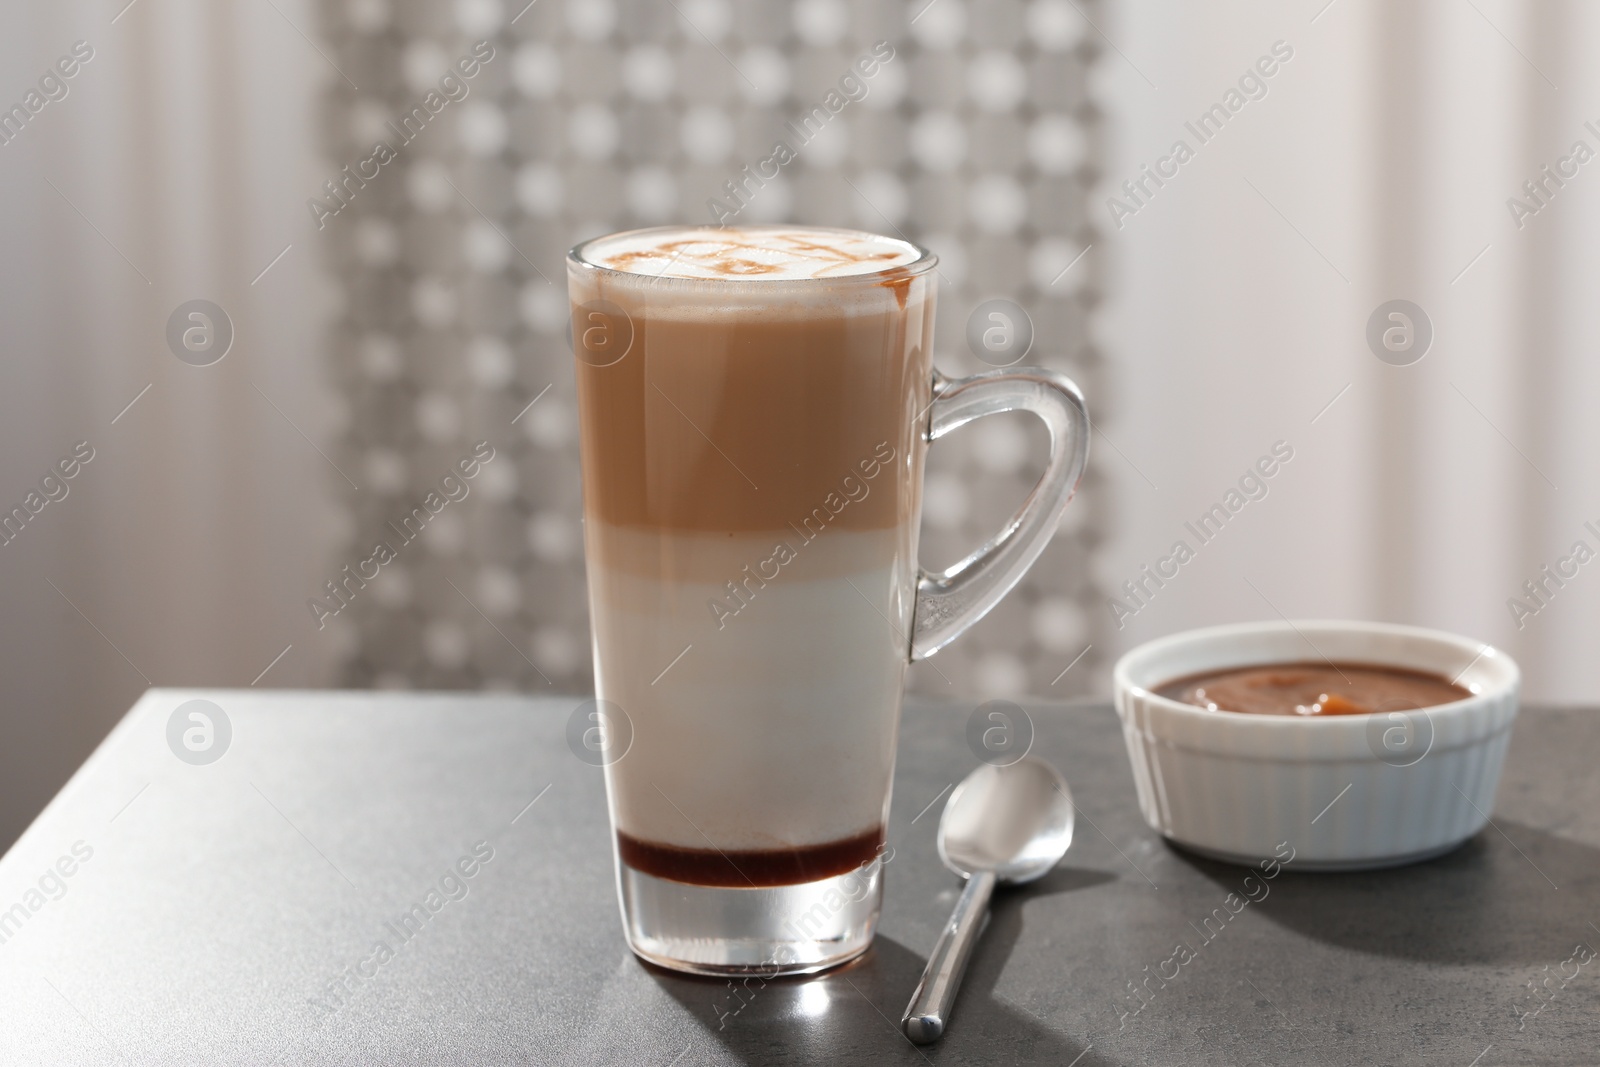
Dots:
{"x": 161, "y": 911}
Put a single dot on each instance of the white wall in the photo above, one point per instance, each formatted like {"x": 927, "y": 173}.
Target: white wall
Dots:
{"x": 1390, "y": 142}
{"x": 191, "y": 539}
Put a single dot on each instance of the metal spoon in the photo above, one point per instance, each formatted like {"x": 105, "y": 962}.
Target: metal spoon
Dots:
{"x": 1005, "y": 825}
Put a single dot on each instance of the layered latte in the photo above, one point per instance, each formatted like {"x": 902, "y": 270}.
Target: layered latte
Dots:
{"x": 752, "y": 404}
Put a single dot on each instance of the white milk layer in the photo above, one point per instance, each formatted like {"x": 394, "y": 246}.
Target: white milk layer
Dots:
{"x": 769, "y": 722}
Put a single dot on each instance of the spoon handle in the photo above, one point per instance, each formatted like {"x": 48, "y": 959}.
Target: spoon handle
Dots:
{"x": 929, "y": 1010}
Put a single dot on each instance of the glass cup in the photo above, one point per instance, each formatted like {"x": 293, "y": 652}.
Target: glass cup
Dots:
{"x": 752, "y": 453}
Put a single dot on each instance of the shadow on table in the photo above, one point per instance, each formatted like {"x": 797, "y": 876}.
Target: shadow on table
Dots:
{"x": 1493, "y": 900}
{"x": 852, "y": 1014}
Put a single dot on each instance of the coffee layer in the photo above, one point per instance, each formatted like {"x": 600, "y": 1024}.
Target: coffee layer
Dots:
{"x": 756, "y": 422}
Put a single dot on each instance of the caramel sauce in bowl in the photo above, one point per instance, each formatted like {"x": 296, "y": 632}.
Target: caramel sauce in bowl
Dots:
{"x": 1308, "y": 689}
{"x": 1347, "y": 745}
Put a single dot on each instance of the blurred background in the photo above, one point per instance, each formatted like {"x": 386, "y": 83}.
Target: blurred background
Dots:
{"x": 365, "y": 321}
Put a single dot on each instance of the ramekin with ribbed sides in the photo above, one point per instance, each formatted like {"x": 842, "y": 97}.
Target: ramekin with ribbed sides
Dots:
{"x": 1345, "y": 792}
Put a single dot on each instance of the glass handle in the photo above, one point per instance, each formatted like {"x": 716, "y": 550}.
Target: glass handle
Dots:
{"x": 951, "y": 601}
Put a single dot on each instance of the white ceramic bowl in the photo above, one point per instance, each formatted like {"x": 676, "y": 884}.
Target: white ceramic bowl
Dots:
{"x": 1345, "y": 792}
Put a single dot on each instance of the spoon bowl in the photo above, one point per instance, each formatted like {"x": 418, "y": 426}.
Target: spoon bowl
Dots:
{"x": 1016, "y": 821}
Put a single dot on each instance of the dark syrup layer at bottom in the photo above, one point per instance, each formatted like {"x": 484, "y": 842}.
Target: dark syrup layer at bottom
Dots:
{"x": 751, "y": 868}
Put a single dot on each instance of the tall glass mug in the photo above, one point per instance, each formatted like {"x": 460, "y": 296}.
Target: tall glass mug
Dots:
{"x": 755, "y": 407}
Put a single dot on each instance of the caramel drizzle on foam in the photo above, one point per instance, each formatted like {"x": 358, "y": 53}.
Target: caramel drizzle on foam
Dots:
{"x": 720, "y": 257}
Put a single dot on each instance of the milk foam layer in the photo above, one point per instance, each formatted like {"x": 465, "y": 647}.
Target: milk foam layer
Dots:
{"x": 758, "y": 253}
